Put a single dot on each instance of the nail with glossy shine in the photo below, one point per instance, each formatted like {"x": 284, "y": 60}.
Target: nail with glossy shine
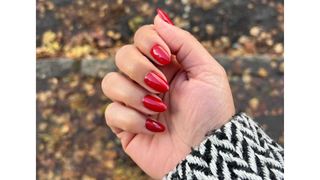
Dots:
{"x": 160, "y": 55}
{"x": 156, "y": 82}
{"x": 164, "y": 16}
{"x": 154, "y": 126}
{"x": 154, "y": 103}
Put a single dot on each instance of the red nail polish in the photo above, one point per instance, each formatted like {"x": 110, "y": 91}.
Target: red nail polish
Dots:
{"x": 154, "y": 103}
{"x": 164, "y": 16}
{"x": 156, "y": 82}
{"x": 159, "y": 54}
{"x": 154, "y": 126}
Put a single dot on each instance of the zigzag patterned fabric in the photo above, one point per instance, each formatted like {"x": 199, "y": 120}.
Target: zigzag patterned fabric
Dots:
{"x": 238, "y": 150}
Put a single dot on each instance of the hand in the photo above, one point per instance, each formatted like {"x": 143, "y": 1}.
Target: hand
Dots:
{"x": 190, "y": 95}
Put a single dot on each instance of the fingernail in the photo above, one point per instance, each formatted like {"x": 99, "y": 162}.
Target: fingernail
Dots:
{"x": 159, "y": 54}
{"x": 164, "y": 16}
{"x": 154, "y": 126}
{"x": 154, "y": 103}
{"x": 156, "y": 82}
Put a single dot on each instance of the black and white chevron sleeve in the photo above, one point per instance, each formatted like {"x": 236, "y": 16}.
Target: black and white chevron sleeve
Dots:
{"x": 238, "y": 150}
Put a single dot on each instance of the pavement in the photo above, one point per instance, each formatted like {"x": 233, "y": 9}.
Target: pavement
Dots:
{"x": 73, "y": 141}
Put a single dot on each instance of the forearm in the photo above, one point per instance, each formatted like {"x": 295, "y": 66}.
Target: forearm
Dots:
{"x": 240, "y": 149}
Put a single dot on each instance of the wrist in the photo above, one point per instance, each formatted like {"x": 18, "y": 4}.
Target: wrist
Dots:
{"x": 211, "y": 124}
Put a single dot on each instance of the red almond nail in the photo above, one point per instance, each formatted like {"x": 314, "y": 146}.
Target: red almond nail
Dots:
{"x": 164, "y": 16}
{"x": 154, "y": 126}
{"x": 154, "y": 103}
{"x": 159, "y": 54}
{"x": 156, "y": 82}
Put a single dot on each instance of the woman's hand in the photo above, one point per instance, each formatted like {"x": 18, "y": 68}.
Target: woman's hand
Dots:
{"x": 170, "y": 93}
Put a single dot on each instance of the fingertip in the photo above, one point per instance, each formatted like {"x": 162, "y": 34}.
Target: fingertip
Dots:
{"x": 164, "y": 16}
{"x": 160, "y": 23}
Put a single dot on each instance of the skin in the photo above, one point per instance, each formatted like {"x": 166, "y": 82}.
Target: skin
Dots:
{"x": 199, "y": 99}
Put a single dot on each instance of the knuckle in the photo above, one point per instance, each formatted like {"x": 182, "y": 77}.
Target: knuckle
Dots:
{"x": 124, "y": 96}
{"x": 126, "y": 125}
{"x": 141, "y": 32}
{"x": 121, "y": 53}
{"x": 132, "y": 68}
{"x": 128, "y": 122}
{"x": 107, "y": 82}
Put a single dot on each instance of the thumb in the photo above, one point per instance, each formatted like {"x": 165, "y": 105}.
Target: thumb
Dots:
{"x": 191, "y": 55}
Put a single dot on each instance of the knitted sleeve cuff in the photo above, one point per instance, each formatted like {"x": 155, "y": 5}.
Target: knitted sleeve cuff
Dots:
{"x": 238, "y": 150}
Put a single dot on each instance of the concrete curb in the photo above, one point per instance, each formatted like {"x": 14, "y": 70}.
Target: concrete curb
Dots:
{"x": 47, "y": 68}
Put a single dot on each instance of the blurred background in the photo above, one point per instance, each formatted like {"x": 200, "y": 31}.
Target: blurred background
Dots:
{"x": 76, "y": 43}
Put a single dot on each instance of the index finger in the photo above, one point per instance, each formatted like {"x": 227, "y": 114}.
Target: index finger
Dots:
{"x": 147, "y": 40}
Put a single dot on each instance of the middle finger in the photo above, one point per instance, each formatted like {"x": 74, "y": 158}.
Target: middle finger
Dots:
{"x": 138, "y": 68}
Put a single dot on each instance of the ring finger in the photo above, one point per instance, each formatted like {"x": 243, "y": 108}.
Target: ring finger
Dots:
{"x": 147, "y": 40}
{"x": 138, "y": 68}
